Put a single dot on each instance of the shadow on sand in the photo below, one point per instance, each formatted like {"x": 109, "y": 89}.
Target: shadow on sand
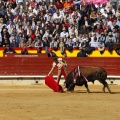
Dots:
{"x": 84, "y": 91}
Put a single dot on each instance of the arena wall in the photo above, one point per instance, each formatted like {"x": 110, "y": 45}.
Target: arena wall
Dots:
{"x": 40, "y": 64}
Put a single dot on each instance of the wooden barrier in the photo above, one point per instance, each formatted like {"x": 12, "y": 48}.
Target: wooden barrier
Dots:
{"x": 40, "y": 64}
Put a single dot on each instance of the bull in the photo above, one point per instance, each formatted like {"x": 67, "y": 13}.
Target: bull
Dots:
{"x": 81, "y": 75}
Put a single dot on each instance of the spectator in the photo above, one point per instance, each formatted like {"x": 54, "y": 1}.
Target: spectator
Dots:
{"x": 47, "y": 34}
{"x": 50, "y": 53}
{"x": 22, "y": 42}
{"x": 36, "y": 9}
{"x": 117, "y": 46}
{"x": 90, "y": 7}
{"x": 75, "y": 18}
{"x": 101, "y": 46}
{"x": 76, "y": 44}
{"x": 66, "y": 15}
{"x": 10, "y": 27}
{"x": 67, "y": 5}
{"x": 86, "y": 46}
{"x": 82, "y": 53}
{"x": 9, "y": 49}
{"x": 84, "y": 30}
{"x": 58, "y": 4}
{"x": 54, "y": 44}
{"x": 39, "y": 45}
{"x": 57, "y": 15}
{"x": 14, "y": 43}
{"x": 46, "y": 44}
{"x": 105, "y": 14}
{"x": 73, "y": 31}
{"x": 5, "y": 41}
{"x": 118, "y": 22}
{"x": 102, "y": 37}
{"x": 118, "y": 12}
{"x": 24, "y": 51}
{"x": 56, "y": 30}
{"x": 110, "y": 45}
{"x": 64, "y": 33}
{"x": 70, "y": 45}
{"x": 62, "y": 46}
{"x": 52, "y": 9}
{"x": 98, "y": 29}
{"x": 66, "y": 23}
{"x": 30, "y": 43}
{"x": 86, "y": 22}
{"x": 110, "y": 36}
{"x": 94, "y": 43}
{"x": 114, "y": 32}
{"x": 93, "y": 16}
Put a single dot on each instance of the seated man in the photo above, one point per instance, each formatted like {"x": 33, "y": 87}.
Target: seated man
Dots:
{"x": 82, "y": 53}
{"x": 110, "y": 45}
{"x": 9, "y": 49}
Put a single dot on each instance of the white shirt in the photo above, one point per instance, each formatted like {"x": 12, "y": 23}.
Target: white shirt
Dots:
{"x": 35, "y": 11}
{"x": 46, "y": 17}
{"x": 62, "y": 34}
{"x": 94, "y": 44}
{"x": 55, "y": 16}
{"x": 86, "y": 23}
{"x": 109, "y": 23}
{"x": 102, "y": 10}
{"x": 10, "y": 28}
{"x": 105, "y": 14}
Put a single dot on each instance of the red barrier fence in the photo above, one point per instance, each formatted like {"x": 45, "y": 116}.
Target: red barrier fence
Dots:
{"x": 40, "y": 64}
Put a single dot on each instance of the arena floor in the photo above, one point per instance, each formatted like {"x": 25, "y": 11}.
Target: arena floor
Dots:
{"x": 38, "y": 102}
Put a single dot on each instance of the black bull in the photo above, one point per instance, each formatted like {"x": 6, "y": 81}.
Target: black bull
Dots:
{"x": 87, "y": 73}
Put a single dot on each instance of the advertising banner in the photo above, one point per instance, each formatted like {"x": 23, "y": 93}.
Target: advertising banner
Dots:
{"x": 97, "y": 1}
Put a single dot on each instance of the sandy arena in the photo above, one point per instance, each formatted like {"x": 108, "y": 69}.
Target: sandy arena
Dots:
{"x": 38, "y": 102}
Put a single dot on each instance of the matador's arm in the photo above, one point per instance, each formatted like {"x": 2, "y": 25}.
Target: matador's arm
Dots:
{"x": 52, "y": 69}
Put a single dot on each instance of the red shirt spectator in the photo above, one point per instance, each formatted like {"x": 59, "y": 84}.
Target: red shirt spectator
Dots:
{"x": 111, "y": 19}
{"x": 58, "y": 5}
{"x": 33, "y": 3}
{"x": 98, "y": 29}
{"x": 66, "y": 23}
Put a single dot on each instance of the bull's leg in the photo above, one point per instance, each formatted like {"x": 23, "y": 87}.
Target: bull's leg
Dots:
{"x": 108, "y": 88}
{"x": 86, "y": 85}
{"x": 103, "y": 88}
{"x": 105, "y": 85}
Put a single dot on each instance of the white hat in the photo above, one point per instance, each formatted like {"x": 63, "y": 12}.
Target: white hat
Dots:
{"x": 60, "y": 59}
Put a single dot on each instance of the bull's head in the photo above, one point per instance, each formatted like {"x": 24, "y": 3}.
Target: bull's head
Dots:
{"x": 69, "y": 82}
{"x": 71, "y": 87}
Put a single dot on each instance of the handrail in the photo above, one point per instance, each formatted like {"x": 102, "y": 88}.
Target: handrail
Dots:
{"x": 112, "y": 76}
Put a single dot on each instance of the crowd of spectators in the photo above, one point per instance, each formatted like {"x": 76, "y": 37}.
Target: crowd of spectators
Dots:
{"x": 63, "y": 24}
